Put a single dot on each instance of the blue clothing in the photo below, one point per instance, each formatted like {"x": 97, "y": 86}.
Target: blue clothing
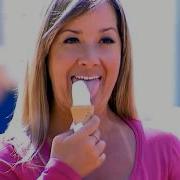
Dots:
{"x": 7, "y": 107}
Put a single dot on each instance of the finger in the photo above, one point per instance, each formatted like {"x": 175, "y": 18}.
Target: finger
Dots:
{"x": 89, "y": 128}
{"x": 97, "y": 133}
{"x": 100, "y": 146}
{"x": 101, "y": 159}
{"x": 95, "y": 137}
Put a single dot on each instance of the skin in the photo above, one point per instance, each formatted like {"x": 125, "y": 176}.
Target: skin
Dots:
{"x": 83, "y": 49}
{"x": 88, "y": 53}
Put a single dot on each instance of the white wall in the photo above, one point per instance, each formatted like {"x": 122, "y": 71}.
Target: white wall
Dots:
{"x": 21, "y": 25}
{"x": 152, "y": 27}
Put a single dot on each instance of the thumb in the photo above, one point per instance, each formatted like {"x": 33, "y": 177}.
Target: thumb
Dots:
{"x": 89, "y": 127}
{"x": 65, "y": 134}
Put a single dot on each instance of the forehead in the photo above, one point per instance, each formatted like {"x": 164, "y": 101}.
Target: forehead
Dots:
{"x": 102, "y": 15}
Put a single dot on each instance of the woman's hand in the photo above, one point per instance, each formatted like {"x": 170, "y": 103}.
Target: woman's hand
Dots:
{"x": 83, "y": 150}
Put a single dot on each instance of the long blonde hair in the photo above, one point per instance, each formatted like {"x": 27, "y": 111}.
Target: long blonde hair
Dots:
{"x": 36, "y": 97}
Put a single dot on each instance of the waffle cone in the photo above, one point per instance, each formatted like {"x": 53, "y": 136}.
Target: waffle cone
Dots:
{"x": 81, "y": 113}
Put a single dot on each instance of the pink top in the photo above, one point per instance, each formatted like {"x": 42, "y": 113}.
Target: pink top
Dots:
{"x": 157, "y": 158}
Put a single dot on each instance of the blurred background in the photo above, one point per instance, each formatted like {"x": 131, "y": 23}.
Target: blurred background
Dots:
{"x": 155, "y": 31}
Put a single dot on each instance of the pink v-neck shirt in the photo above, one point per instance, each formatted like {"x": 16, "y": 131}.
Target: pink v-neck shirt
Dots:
{"x": 157, "y": 157}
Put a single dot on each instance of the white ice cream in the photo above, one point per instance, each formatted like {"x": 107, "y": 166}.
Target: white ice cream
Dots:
{"x": 80, "y": 94}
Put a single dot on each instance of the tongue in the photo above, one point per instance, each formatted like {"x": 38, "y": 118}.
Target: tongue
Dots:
{"x": 93, "y": 86}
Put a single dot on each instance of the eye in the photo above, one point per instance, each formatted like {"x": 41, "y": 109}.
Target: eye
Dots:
{"x": 71, "y": 40}
{"x": 107, "y": 40}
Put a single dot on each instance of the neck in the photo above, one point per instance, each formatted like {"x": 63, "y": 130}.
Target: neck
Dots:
{"x": 108, "y": 120}
{"x": 60, "y": 121}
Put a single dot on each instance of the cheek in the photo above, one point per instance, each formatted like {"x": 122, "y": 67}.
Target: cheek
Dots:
{"x": 112, "y": 62}
{"x": 112, "y": 65}
{"x": 68, "y": 55}
{"x": 57, "y": 72}
{"x": 61, "y": 63}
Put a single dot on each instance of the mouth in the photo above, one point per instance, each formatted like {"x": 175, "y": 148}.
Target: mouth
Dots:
{"x": 85, "y": 78}
{"x": 92, "y": 82}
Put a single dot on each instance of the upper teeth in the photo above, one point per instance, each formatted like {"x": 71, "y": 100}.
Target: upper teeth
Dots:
{"x": 87, "y": 78}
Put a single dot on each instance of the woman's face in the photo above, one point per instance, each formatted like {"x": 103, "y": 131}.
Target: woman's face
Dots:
{"x": 88, "y": 47}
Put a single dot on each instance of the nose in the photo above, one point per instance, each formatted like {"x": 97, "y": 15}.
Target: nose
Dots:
{"x": 89, "y": 57}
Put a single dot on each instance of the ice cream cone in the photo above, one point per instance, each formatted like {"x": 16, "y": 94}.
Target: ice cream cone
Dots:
{"x": 81, "y": 113}
{"x": 81, "y": 109}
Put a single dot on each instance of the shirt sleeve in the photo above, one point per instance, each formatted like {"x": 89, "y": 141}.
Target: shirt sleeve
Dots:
{"x": 175, "y": 159}
{"x": 56, "y": 169}
{"x": 6, "y": 170}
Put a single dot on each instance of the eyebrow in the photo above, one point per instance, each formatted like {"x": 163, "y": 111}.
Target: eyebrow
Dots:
{"x": 108, "y": 29}
{"x": 80, "y": 32}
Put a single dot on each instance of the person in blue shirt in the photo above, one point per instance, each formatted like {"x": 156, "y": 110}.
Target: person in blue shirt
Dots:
{"x": 7, "y": 107}
{"x": 8, "y": 96}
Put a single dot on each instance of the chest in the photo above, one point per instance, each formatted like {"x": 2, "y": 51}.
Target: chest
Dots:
{"x": 110, "y": 172}
{"x": 120, "y": 155}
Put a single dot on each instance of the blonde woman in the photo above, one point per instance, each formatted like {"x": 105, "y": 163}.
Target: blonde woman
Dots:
{"x": 80, "y": 40}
